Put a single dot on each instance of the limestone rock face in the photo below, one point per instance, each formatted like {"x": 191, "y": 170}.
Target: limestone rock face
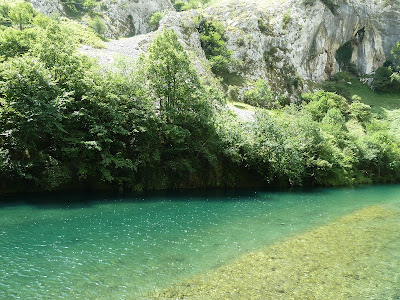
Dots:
{"x": 269, "y": 35}
{"x": 280, "y": 41}
{"x": 122, "y": 17}
{"x": 131, "y": 17}
{"x": 48, "y": 7}
{"x": 184, "y": 26}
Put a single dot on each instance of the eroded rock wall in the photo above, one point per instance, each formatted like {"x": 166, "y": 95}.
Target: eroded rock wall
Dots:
{"x": 268, "y": 35}
{"x": 131, "y": 17}
{"x": 276, "y": 40}
{"x": 122, "y": 17}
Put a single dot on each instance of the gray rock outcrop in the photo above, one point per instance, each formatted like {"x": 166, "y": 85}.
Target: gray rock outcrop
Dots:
{"x": 48, "y": 7}
{"x": 131, "y": 17}
{"x": 121, "y": 17}
{"x": 305, "y": 38}
{"x": 276, "y": 40}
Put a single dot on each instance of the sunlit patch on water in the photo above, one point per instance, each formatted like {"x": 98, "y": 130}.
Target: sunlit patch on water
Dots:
{"x": 124, "y": 248}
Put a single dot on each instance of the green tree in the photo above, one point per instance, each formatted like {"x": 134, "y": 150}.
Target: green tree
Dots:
{"x": 285, "y": 146}
{"x": 384, "y": 80}
{"x": 261, "y": 95}
{"x": 4, "y": 18}
{"x": 30, "y": 119}
{"x": 21, "y": 14}
{"x": 170, "y": 74}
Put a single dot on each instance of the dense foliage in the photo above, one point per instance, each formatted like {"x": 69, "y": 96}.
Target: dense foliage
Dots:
{"x": 64, "y": 121}
{"x": 152, "y": 124}
{"x": 326, "y": 140}
{"x": 190, "y": 4}
{"x": 213, "y": 42}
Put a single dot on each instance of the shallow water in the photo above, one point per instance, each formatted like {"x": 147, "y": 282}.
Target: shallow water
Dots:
{"x": 120, "y": 248}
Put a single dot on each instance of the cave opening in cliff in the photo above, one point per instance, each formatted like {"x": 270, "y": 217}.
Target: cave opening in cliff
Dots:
{"x": 343, "y": 57}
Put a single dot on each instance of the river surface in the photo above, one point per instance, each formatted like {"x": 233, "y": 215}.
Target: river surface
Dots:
{"x": 69, "y": 246}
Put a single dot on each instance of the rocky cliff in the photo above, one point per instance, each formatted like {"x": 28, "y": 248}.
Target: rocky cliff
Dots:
{"x": 277, "y": 40}
{"x": 121, "y": 17}
{"x": 308, "y": 36}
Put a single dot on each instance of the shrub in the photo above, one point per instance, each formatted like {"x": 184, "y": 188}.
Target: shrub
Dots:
{"x": 191, "y": 4}
{"x": 97, "y": 24}
{"x": 179, "y": 5}
{"x": 383, "y": 80}
{"x": 261, "y": 95}
{"x": 264, "y": 28}
{"x": 359, "y": 110}
{"x": 213, "y": 42}
{"x": 286, "y": 20}
{"x": 155, "y": 19}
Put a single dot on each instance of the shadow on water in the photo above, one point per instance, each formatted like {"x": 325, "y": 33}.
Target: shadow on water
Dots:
{"x": 78, "y": 200}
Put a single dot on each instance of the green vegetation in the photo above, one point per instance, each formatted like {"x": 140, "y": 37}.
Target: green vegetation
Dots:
{"x": 155, "y": 19}
{"x": 326, "y": 141}
{"x": 264, "y": 28}
{"x": 396, "y": 63}
{"x": 191, "y": 4}
{"x": 330, "y": 4}
{"x": 22, "y": 14}
{"x": 97, "y": 24}
{"x": 286, "y": 20}
{"x": 66, "y": 122}
{"x": 213, "y": 42}
{"x": 153, "y": 124}
{"x": 261, "y": 95}
{"x": 384, "y": 80}
{"x": 18, "y": 35}
{"x": 77, "y": 8}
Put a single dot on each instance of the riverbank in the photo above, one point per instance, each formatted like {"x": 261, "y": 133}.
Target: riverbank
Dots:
{"x": 355, "y": 257}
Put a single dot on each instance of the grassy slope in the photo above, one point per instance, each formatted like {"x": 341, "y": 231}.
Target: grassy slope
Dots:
{"x": 382, "y": 104}
{"x": 377, "y": 101}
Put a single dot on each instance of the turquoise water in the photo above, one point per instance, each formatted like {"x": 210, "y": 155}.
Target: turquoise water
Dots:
{"x": 98, "y": 247}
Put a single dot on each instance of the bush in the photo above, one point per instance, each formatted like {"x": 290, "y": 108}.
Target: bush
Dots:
{"x": 213, "y": 42}
{"x": 320, "y": 102}
{"x": 360, "y": 111}
{"x": 383, "y": 80}
{"x": 77, "y": 8}
{"x": 191, "y": 4}
{"x": 338, "y": 83}
{"x": 155, "y": 19}
{"x": 97, "y": 24}
{"x": 14, "y": 42}
{"x": 261, "y": 95}
{"x": 286, "y": 20}
{"x": 179, "y": 5}
{"x": 264, "y": 28}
